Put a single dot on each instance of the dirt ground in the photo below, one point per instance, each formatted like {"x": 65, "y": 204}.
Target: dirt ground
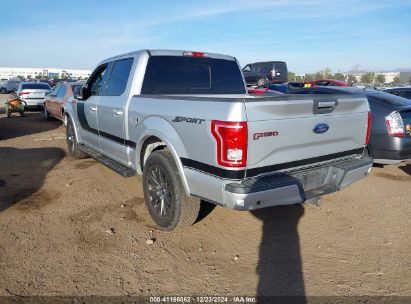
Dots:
{"x": 77, "y": 228}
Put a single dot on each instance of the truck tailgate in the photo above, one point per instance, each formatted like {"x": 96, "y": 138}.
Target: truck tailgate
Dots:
{"x": 292, "y": 128}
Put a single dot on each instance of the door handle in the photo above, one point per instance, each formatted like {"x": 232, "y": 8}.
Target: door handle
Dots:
{"x": 117, "y": 112}
{"x": 323, "y": 105}
{"x": 93, "y": 108}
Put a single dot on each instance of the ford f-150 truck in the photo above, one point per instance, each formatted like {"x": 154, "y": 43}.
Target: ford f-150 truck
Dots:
{"x": 185, "y": 122}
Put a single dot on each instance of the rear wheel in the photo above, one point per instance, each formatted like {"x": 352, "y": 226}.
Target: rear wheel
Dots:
{"x": 3, "y": 91}
{"x": 72, "y": 144}
{"x": 261, "y": 82}
{"x": 164, "y": 194}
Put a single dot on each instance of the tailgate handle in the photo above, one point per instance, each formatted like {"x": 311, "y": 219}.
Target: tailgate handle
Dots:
{"x": 324, "y": 106}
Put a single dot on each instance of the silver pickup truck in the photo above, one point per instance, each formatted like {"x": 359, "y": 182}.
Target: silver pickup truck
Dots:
{"x": 185, "y": 122}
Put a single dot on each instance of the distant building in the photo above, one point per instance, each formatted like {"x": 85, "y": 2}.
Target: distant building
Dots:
{"x": 389, "y": 76}
{"x": 6, "y": 73}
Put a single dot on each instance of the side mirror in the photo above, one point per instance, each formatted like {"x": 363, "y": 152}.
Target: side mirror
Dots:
{"x": 82, "y": 94}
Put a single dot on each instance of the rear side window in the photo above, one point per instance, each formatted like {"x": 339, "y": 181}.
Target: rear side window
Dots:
{"x": 119, "y": 77}
{"x": 192, "y": 75}
{"x": 35, "y": 86}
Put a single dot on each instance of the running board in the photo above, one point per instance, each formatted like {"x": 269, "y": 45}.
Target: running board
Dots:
{"x": 108, "y": 162}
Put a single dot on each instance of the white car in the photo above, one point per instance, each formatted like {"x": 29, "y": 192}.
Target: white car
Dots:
{"x": 33, "y": 93}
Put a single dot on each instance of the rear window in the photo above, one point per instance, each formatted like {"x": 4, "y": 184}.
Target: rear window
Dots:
{"x": 35, "y": 86}
{"x": 390, "y": 99}
{"x": 280, "y": 66}
{"x": 192, "y": 75}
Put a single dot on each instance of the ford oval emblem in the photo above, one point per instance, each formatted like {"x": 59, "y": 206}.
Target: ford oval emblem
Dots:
{"x": 321, "y": 128}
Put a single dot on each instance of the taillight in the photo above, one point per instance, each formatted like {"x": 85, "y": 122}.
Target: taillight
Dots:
{"x": 231, "y": 140}
{"x": 395, "y": 125}
{"x": 367, "y": 136}
{"x": 195, "y": 54}
{"x": 23, "y": 93}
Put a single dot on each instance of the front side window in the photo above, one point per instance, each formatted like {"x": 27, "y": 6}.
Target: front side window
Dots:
{"x": 119, "y": 77}
{"x": 55, "y": 91}
{"x": 96, "y": 83}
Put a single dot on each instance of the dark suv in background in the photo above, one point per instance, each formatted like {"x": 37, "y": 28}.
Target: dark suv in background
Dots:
{"x": 264, "y": 73}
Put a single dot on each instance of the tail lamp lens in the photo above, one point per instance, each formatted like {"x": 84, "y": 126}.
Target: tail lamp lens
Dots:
{"x": 367, "y": 136}
{"x": 395, "y": 125}
{"x": 231, "y": 138}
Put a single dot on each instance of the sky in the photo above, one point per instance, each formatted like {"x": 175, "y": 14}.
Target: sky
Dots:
{"x": 309, "y": 35}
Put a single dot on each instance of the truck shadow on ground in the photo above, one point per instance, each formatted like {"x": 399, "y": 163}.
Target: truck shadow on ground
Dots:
{"x": 406, "y": 168}
{"x": 31, "y": 123}
{"x": 23, "y": 172}
{"x": 280, "y": 266}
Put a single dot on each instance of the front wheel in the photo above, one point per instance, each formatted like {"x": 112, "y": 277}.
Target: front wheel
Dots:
{"x": 72, "y": 144}
{"x": 164, "y": 194}
{"x": 46, "y": 113}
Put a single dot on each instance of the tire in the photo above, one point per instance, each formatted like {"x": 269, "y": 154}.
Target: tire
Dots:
{"x": 72, "y": 144}
{"x": 8, "y": 113}
{"x": 3, "y": 91}
{"x": 261, "y": 82}
{"x": 46, "y": 113}
{"x": 164, "y": 195}
{"x": 21, "y": 113}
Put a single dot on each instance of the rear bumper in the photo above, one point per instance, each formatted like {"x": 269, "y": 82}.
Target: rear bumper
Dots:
{"x": 280, "y": 188}
{"x": 34, "y": 102}
{"x": 394, "y": 151}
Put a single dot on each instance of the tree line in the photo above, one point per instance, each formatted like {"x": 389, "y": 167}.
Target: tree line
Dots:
{"x": 368, "y": 78}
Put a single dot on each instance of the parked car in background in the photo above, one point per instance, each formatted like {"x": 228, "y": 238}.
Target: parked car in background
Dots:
{"x": 326, "y": 83}
{"x": 54, "y": 102}
{"x": 8, "y": 86}
{"x": 282, "y": 88}
{"x": 263, "y": 73}
{"x": 401, "y": 91}
{"x": 33, "y": 93}
{"x": 295, "y": 85}
{"x": 262, "y": 91}
{"x": 390, "y": 138}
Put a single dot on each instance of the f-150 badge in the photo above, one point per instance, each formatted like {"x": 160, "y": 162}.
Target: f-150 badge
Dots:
{"x": 257, "y": 136}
